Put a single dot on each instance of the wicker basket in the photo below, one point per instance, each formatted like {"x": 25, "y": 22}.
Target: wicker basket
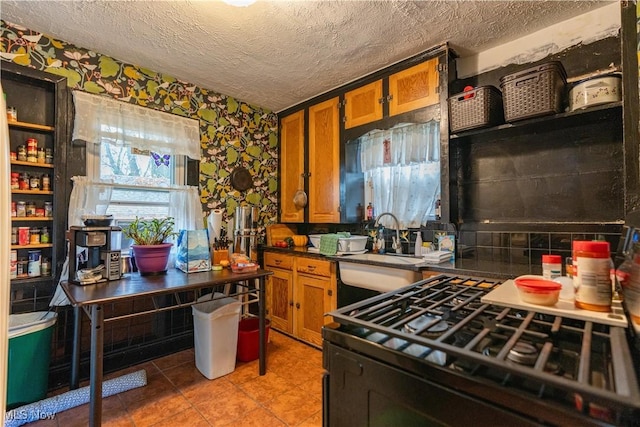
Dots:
{"x": 536, "y": 91}
{"x": 476, "y": 108}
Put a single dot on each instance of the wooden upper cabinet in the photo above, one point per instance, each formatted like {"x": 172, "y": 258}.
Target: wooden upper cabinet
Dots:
{"x": 291, "y": 165}
{"x": 414, "y": 88}
{"x": 363, "y": 105}
{"x": 324, "y": 162}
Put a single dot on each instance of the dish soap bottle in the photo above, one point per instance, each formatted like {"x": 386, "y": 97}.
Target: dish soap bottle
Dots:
{"x": 418, "y": 246}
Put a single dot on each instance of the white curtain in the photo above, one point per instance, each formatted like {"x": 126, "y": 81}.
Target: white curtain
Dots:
{"x": 402, "y": 167}
{"x": 99, "y": 118}
{"x": 86, "y": 197}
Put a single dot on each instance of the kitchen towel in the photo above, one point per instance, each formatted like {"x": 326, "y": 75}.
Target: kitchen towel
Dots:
{"x": 329, "y": 242}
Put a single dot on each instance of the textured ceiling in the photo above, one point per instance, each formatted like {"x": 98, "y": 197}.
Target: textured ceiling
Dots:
{"x": 275, "y": 54}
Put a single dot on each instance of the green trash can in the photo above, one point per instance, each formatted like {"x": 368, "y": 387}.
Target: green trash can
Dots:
{"x": 29, "y": 357}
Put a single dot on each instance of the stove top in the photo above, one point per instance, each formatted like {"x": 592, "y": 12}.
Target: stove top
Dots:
{"x": 586, "y": 366}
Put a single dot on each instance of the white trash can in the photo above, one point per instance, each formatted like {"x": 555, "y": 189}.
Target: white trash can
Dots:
{"x": 215, "y": 334}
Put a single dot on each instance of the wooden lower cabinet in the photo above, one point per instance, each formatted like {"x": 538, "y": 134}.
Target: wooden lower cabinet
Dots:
{"x": 299, "y": 293}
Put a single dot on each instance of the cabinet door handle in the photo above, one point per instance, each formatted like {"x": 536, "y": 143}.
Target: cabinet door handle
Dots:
{"x": 298, "y": 305}
{"x": 330, "y": 292}
{"x": 291, "y": 303}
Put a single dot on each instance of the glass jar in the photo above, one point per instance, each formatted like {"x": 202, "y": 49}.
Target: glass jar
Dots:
{"x": 46, "y": 183}
{"x": 34, "y": 182}
{"x": 14, "y": 209}
{"x": 48, "y": 155}
{"x": 12, "y": 114}
{"x": 31, "y": 209}
{"x": 44, "y": 235}
{"x": 48, "y": 209}
{"x": 15, "y": 181}
{"x": 22, "y": 153}
{"x": 14, "y": 235}
{"x": 21, "y": 209}
{"x": 41, "y": 156}
{"x": 45, "y": 267}
{"x": 23, "y": 182}
{"x": 34, "y": 236}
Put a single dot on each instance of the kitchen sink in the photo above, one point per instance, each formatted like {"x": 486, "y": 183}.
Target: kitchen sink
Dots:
{"x": 378, "y": 272}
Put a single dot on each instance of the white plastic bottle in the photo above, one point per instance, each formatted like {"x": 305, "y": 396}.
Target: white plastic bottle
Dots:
{"x": 418, "y": 247}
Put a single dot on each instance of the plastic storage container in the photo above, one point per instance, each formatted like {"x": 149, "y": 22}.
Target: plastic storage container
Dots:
{"x": 535, "y": 91}
{"x": 249, "y": 338}
{"x": 537, "y": 290}
{"x": 29, "y": 357}
{"x": 215, "y": 334}
{"x": 481, "y": 106}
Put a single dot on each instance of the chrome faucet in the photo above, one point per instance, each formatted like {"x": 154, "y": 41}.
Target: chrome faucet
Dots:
{"x": 398, "y": 246}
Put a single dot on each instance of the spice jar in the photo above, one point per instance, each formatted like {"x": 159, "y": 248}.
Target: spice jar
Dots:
{"x": 41, "y": 155}
{"x": 23, "y": 182}
{"x": 14, "y": 235}
{"x": 31, "y": 209}
{"x": 21, "y": 209}
{"x": 48, "y": 155}
{"x": 12, "y": 114}
{"x": 591, "y": 275}
{"x": 34, "y": 236}
{"x": 46, "y": 182}
{"x": 48, "y": 209}
{"x": 45, "y": 267}
{"x": 15, "y": 181}
{"x": 32, "y": 150}
{"x": 44, "y": 235}
{"x": 34, "y": 182}
{"x": 14, "y": 209}
{"x": 22, "y": 153}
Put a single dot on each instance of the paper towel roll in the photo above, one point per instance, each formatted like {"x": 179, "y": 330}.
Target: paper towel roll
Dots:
{"x": 214, "y": 224}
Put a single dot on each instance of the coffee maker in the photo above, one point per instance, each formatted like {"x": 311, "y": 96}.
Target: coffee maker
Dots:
{"x": 94, "y": 254}
{"x": 245, "y": 233}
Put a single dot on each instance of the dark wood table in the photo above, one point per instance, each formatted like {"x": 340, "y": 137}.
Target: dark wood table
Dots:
{"x": 184, "y": 288}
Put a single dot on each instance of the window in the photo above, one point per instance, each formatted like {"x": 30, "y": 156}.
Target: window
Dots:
{"x": 401, "y": 169}
{"x": 141, "y": 179}
{"x": 136, "y": 159}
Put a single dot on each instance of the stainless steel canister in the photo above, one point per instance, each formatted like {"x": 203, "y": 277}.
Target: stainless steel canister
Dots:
{"x": 246, "y": 218}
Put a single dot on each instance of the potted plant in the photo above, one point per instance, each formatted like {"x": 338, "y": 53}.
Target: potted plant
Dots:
{"x": 150, "y": 250}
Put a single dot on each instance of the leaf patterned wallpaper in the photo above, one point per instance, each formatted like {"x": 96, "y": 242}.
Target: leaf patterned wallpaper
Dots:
{"x": 232, "y": 133}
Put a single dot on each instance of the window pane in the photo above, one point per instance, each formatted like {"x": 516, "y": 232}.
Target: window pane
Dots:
{"x": 126, "y": 165}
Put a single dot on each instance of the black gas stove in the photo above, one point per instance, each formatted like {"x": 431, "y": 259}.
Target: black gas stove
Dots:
{"x": 433, "y": 354}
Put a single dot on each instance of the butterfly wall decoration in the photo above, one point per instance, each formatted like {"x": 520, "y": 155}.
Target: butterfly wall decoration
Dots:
{"x": 160, "y": 159}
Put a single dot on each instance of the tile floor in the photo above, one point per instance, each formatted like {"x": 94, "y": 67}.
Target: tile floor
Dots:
{"x": 177, "y": 394}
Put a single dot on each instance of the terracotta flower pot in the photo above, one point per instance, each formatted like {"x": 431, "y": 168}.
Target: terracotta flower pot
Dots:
{"x": 152, "y": 259}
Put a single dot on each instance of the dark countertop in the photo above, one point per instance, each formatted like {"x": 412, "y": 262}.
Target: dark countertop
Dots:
{"x": 462, "y": 267}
